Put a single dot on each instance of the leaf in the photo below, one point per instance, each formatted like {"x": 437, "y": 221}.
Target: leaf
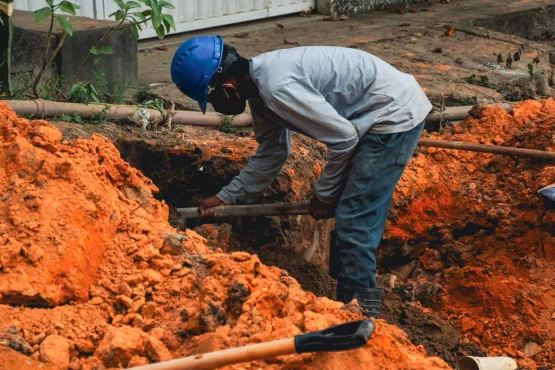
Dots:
{"x": 133, "y": 4}
{"x": 106, "y": 50}
{"x": 66, "y": 25}
{"x": 94, "y": 51}
{"x": 147, "y": 13}
{"x": 166, "y": 4}
{"x": 119, "y": 15}
{"x": 68, "y": 7}
{"x": 146, "y": 2}
{"x": 156, "y": 20}
{"x": 450, "y": 31}
{"x": 96, "y": 59}
{"x": 120, "y": 4}
{"x": 139, "y": 15}
{"x": 42, "y": 14}
{"x": 135, "y": 31}
{"x": 168, "y": 19}
{"x": 161, "y": 31}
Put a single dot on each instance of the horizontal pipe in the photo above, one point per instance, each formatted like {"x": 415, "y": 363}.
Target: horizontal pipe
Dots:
{"x": 493, "y": 149}
{"x": 46, "y": 109}
{"x": 278, "y": 209}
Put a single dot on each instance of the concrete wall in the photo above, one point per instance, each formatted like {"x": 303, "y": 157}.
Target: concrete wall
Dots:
{"x": 29, "y": 43}
{"x": 353, "y": 7}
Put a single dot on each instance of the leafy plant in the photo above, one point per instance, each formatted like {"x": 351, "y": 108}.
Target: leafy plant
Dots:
{"x": 72, "y": 118}
{"x": 83, "y": 93}
{"x": 227, "y": 124}
{"x": 478, "y": 80}
{"x": 50, "y": 12}
{"x": 155, "y": 103}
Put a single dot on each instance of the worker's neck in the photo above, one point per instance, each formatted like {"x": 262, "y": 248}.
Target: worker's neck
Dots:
{"x": 248, "y": 88}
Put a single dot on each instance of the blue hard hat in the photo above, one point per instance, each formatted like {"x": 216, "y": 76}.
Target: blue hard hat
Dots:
{"x": 194, "y": 65}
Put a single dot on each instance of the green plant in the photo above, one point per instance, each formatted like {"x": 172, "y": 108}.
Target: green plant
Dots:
{"x": 509, "y": 61}
{"x": 129, "y": 18}
{"x": 67, "y": 29}
{"x": 72, "y": 118}
{"x": 146, "y": 94}
{"x": 83, "y": 93}
{"x": 500, "y": 58}
{"x": 155, "y": 103}
{"x": 478, "y": 80}
{"x": 227, "y": 124}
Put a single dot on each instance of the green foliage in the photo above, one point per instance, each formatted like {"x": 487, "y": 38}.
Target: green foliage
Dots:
{"x": 478, "y": 80}
{"x": 50, "y": 11}
{"x": 227, "y": 124}
{"x": 500, "y": 59}
{"x": 146, "y": 94}
{"x": 83, "y": 93}
{"x": 154, "y": 12}
{"x": 155, "y": 103}
{"x": 72, "y": 118}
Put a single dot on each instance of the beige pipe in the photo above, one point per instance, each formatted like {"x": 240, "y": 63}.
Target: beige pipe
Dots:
{"x": 48, "y": 109}
{"x": 45, "y": 109}
{"x": 486, "y": 363}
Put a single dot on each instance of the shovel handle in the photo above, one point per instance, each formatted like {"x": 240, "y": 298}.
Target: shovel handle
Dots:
{"x": 228, "y": 357}
{"x": 344, "y": 337}
{"x": 278, "y": 209}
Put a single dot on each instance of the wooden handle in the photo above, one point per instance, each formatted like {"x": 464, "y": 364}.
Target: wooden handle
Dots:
{"x": 279, "y": 209}
{"x": 228, "y": 357}
{"x": 493, "y": 149}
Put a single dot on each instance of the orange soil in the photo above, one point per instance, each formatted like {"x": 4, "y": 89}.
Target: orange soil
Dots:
{"x": 483, "y": 213}
{"x": 82, "y": 237}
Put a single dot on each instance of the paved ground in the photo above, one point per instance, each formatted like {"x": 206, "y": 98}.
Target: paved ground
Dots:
{"x": 414, "y": 40}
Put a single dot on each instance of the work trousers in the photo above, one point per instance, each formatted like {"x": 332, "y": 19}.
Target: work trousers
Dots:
{"x": 376, "y": 167}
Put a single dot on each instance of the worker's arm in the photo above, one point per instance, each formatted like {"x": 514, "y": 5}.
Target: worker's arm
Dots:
{"x": 306, "y": 109}
{"x": 263, "y": 167}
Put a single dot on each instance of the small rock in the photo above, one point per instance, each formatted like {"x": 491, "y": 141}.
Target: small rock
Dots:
{"x": 96, "y": 301}
{"x": 126, "y": 301}
{"x": 226, "y": 150}
{"x": 119, "y": 345}
{"x": 138, "y": 361}
{"x": 37, "y": 339}
{"x": 54, "y": 350}
{"x": 183, "y": 272}
{"x": 172, "y": 245}
{"x": 137, "y": 305}
{"x": 165, "y": 272}
{"x": 156, "y": 350}
{"x": 153, "y": 277}
{"x": 139, "y": 322}
{"x": 158, "y": 333}
{"x": 59, "y": 326}
{"x": 531, "y": 349}
{"x": 553, "y": 316}
{"x": 125, "y": 289}
{"x": 134, "y": 279}
{"x": 148, "y": 310}
{"x": 84, "y": 346}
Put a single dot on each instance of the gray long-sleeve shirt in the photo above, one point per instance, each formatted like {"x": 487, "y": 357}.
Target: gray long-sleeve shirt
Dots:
{"x": 334, "y": 95}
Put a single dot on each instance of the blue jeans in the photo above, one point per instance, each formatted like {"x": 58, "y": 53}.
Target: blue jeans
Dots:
{"x": 376, "y": 167}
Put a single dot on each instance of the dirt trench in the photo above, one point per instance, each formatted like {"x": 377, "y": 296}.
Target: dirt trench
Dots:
{"x": 468, "y": 251}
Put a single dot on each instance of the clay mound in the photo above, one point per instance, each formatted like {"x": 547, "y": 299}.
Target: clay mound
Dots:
{"x": 61, "y": 206}
{"x": 79, "y": 225}
{"x": 476, "y": 225}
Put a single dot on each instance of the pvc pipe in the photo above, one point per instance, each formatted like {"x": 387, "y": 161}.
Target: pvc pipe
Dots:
{"x": 43, "y": 109}
{"x": 486, "y": 363}
{"x": 459, "y": 113}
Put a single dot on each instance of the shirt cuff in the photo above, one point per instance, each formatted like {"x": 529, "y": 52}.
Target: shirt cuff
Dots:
{"x": 225, "y": 197}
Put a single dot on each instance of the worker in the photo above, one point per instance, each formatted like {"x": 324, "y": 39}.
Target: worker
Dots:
{"x": 368, "y": 114}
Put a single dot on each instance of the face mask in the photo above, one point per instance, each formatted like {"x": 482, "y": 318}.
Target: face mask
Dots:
{"x": 230, "y": 108}
{"x": 227, "y": 101}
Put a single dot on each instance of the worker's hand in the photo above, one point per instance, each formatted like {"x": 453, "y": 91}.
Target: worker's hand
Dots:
{"x": 320, "y": 210}
{"x": 205, "y": 208}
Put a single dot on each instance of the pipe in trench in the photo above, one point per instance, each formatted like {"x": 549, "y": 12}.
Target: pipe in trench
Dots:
{"x": 48, "y": 109}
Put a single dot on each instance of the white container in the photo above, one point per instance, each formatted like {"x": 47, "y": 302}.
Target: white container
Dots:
{"x": 487, "y": 363}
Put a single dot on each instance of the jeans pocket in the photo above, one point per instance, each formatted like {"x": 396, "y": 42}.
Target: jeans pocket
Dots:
{"x": 408, "y": 145}
{"x": 384, "y": 139}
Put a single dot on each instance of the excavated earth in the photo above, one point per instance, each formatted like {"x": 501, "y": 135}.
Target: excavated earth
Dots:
{"x": 93, "y": 276}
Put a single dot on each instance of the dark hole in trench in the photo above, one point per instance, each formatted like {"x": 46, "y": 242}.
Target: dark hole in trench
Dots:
{"x": 184, "y": 179}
